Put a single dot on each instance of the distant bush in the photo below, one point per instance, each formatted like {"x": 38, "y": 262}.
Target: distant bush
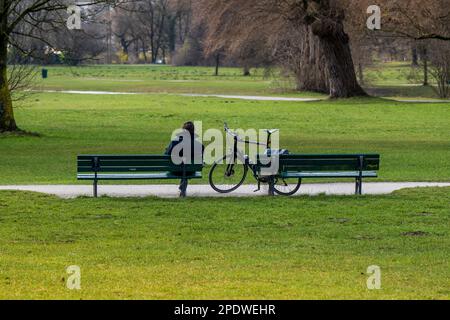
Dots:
{"x": 189, "y": 54}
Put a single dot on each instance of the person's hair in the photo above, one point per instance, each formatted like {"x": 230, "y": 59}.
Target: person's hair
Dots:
{"x": 189, "y": 127}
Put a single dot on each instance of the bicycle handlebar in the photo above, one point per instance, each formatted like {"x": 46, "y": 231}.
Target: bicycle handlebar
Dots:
{"x": 234, "y": 135}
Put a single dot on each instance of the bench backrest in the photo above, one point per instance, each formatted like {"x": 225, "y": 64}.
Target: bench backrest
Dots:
{"x": 131, "y": 163}
{"x": 322, "y": 162}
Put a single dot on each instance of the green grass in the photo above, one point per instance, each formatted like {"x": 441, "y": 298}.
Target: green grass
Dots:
{"x": 413, "y": 139}
{"x": 167, "y": 79}
{"x": 282, "y": 248}
{"x": 398, "y": 80}
{"x": 151, "y": 72}
{"x": 395, "y": 79}
{"x": 391, "y": 74}
{"x": 278, "y": 248}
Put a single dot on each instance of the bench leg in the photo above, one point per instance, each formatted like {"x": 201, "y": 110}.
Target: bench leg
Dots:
{"x": 95, "y": 188}
{"x": 271, "y": 187}
{"x": 358, "y": 188}
{"x": 183, "y": 188}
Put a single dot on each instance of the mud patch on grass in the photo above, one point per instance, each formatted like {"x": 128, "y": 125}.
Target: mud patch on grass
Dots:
{"x": 415, "y": 234}
{"x": 339, "y": 220}
{"x": 422, "y": 214}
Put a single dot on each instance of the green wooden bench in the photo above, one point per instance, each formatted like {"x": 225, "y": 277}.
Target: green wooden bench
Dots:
{"x": 318, "y": 166}
{"x": 134, "y": 167}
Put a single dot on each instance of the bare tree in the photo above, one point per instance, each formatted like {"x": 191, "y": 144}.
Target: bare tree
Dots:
{"x": 299, "y": 53}
{"x": 416, "y": 19}
{"x": 189, "y": 50}
{"x": 252, "y": 53}
{"x": 126, "y": 28}
{"x": 424, "y": 59}
{"x": 439, "y": 55}
{"x": 154, "y": 16}
{"x": 322, "y": 23}
{"x": 20, "y": 78}
{"x": 30, "y": 19}
{"x": 182, "y": 11}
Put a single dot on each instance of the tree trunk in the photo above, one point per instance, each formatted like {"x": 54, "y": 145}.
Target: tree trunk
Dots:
{"x": 415, "y": 56}
{"x": 299, "y": 52}
{"x": 7, "y": 122}
{"x": 246, "y": 71}
{"x": 125, "y": 44}
{"x": 425, "y": 73}
{"x": 361, "y": 73}
{"x": 340, "y": 68}
{"x": 144, "y": 51}
{"x": 311, "y": 75}
{"x": 217, "y": 64}
{"x": 425, "y": 66}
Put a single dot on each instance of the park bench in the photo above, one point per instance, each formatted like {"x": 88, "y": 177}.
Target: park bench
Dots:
{"x": 134, "y": 167}
{"x": 329, "y": 166}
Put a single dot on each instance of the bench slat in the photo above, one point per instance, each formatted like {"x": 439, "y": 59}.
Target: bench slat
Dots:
{"x": 326, "y": 167}
{"x": 132, "y": 163}
{"x": 327, "y": 163}
{"x": 124, "y": 157}
{"x": 152, "y": 176}
{"x": 355, "y": 174}
{"x": 128, "y": 163}
{"x": 172, "y": 168}
{"x": 329, "y": 156}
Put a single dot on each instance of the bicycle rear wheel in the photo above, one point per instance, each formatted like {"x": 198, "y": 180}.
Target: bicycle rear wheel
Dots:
{"x": 226, "y": 178}
{"x": 287, "y": 186}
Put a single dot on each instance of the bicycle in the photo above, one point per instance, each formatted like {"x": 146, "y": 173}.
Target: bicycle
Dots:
{"x": 229, "y": 173}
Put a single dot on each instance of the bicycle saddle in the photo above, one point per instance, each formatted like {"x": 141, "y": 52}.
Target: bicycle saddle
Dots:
{"x": 271, "y": 131}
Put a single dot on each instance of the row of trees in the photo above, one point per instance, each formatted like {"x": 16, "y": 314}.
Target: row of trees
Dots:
{"x": 150, "y": 29}
{"x": 323, "y": 43}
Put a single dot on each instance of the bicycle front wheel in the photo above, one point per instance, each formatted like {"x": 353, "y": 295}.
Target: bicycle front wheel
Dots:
{"x": 286, "y": 186}
{"x": 226, "y": 178}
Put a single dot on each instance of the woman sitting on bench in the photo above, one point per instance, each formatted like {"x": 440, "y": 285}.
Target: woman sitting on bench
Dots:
{"x": 184, "y": 141}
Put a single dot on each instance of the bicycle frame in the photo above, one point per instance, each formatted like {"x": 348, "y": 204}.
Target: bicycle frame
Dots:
{"x": 232, "y": 166}
{"x": 238, "y": 154}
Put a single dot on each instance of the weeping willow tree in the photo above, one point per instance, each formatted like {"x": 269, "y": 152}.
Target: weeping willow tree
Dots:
{"x": 307, "y": 36}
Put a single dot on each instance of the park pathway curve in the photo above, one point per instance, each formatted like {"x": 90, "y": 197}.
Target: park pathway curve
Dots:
{"x": 169, "y": 191}
{"x": 228, "y": 96}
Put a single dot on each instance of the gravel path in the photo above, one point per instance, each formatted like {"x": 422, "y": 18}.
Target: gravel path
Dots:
{"x": 168, "y": 191}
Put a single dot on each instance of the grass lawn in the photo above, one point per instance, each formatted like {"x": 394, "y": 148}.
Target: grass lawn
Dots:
{"x": 398, "y": 80}
{"x": 395, "y": 79}
{"x": 282, "y": 248}
{"x": 413, "y": 139}
{"x": 167, "y": 79}
{"x": 278, "y": 248}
